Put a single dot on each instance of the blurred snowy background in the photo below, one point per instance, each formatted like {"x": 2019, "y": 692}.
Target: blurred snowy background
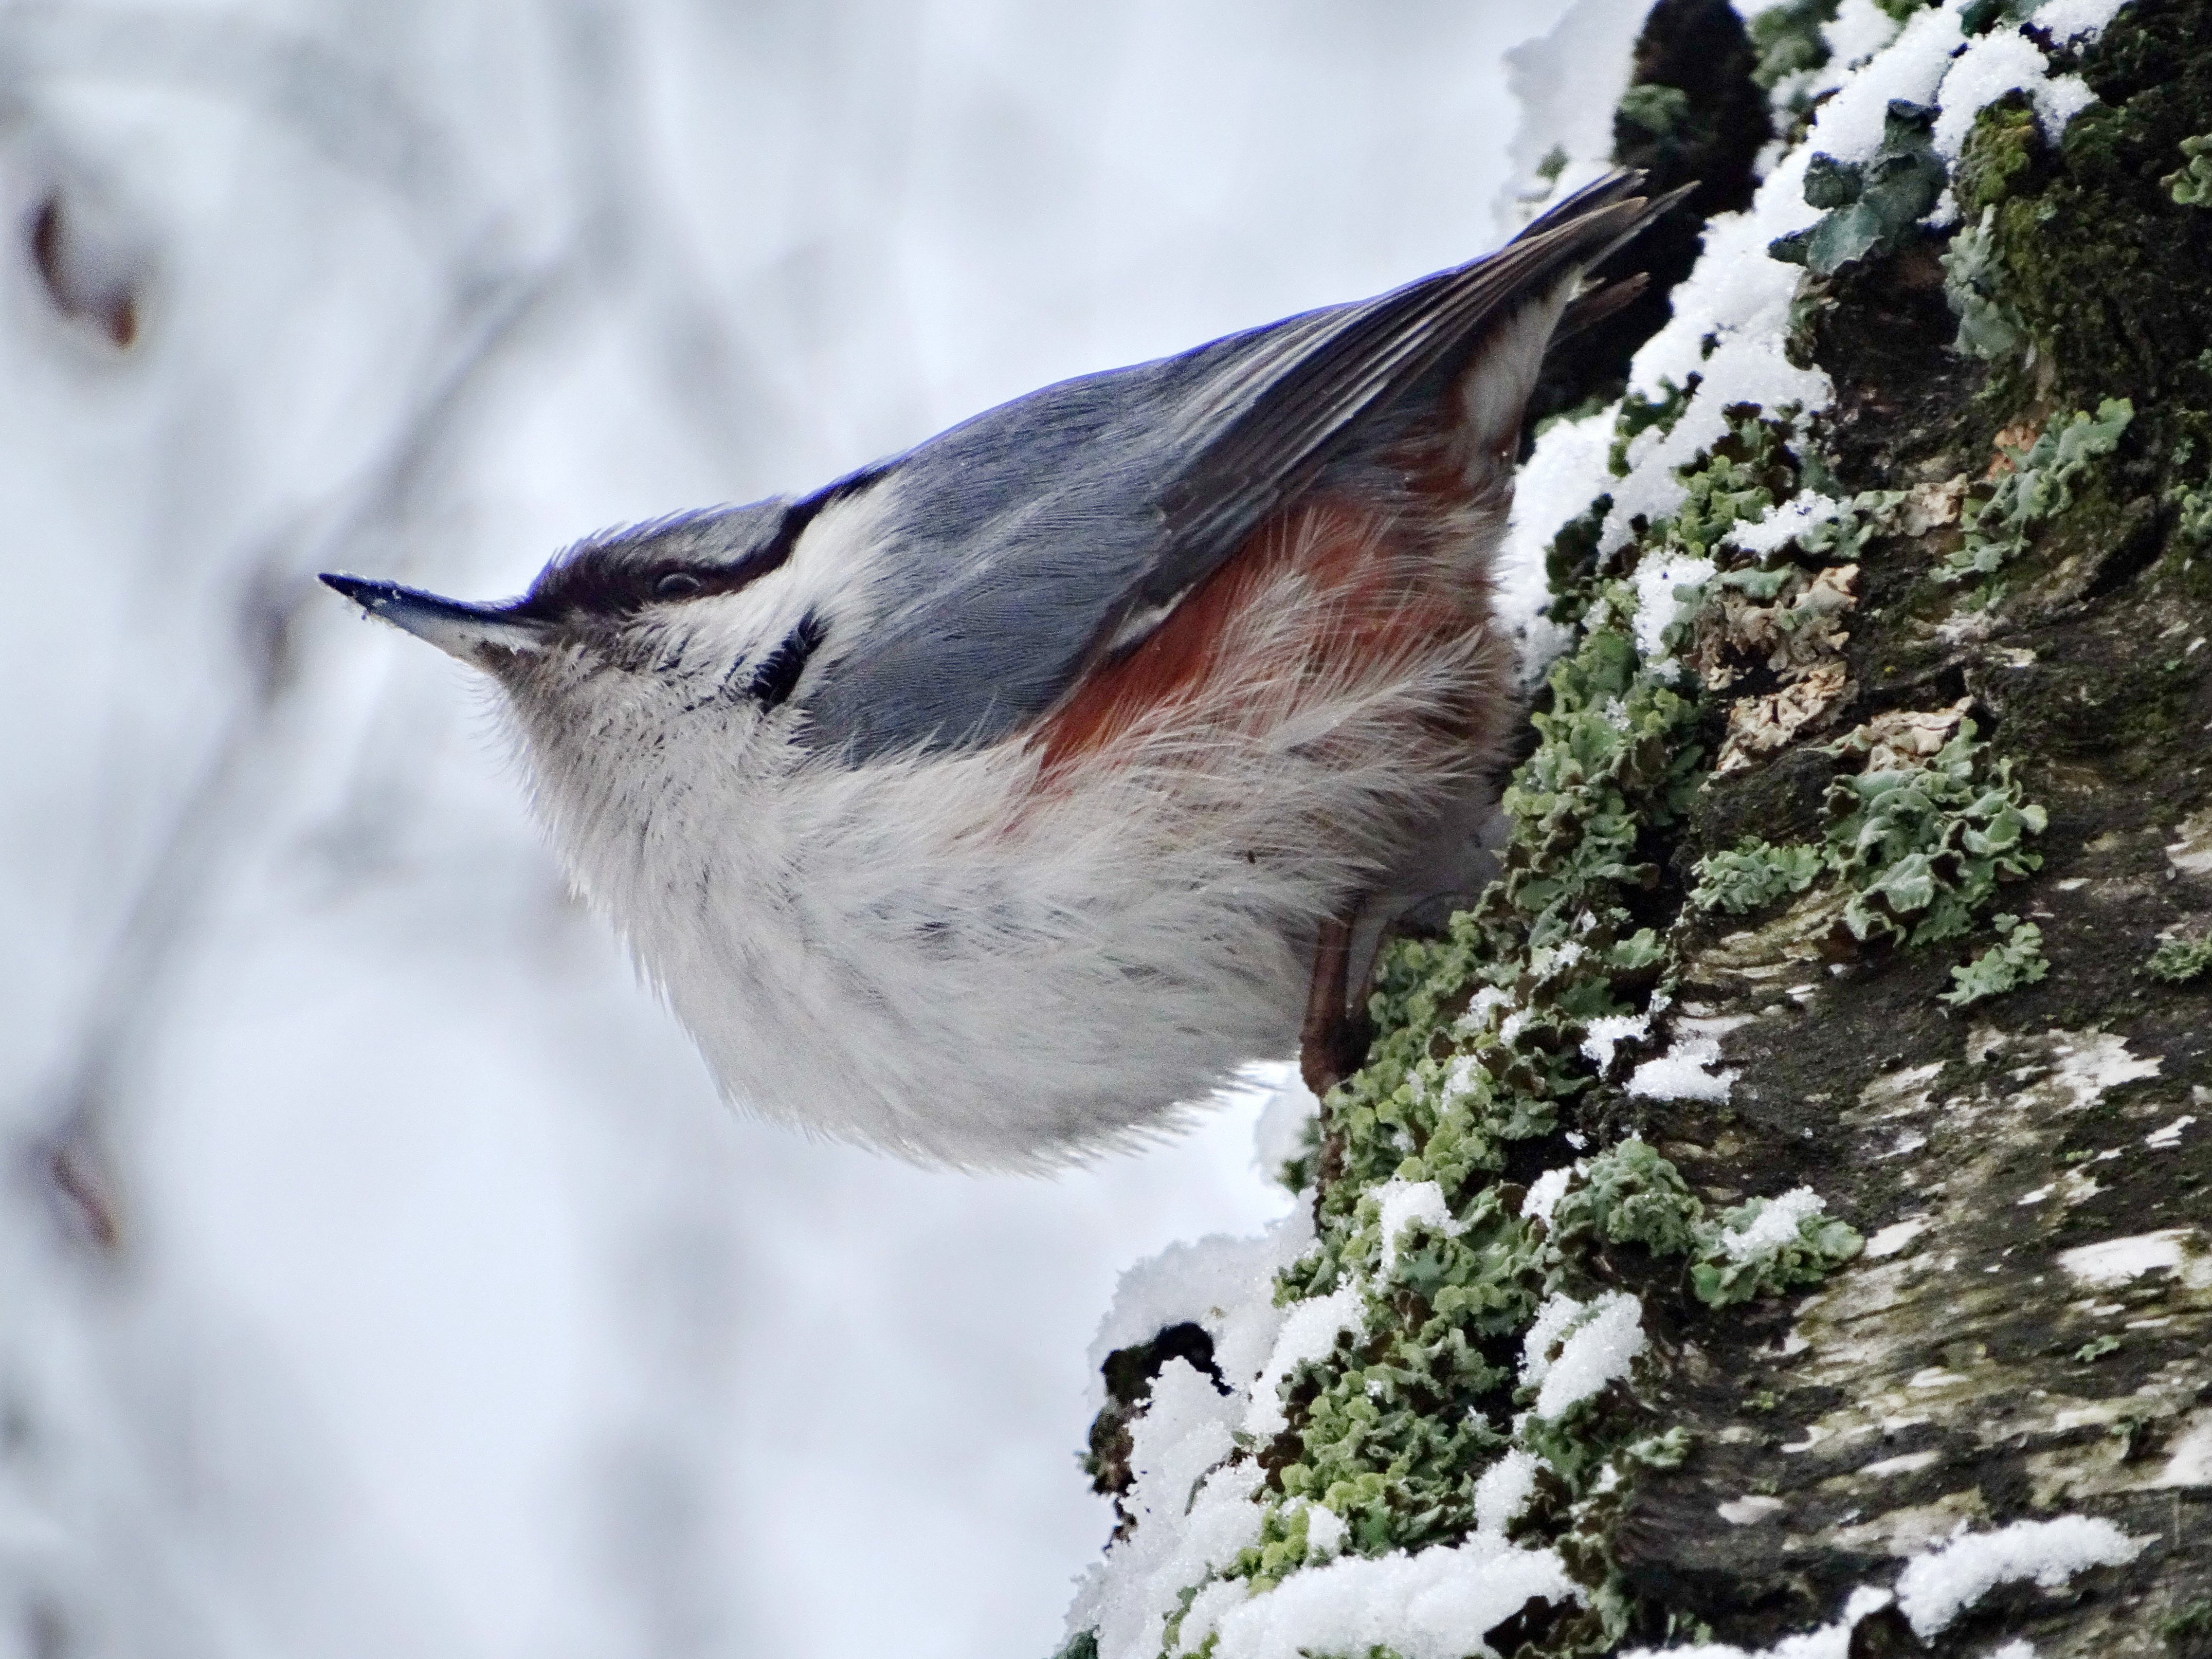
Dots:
{"x": 379, "y": 1272}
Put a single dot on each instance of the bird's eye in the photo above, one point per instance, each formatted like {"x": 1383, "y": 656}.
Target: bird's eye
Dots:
{"x": 676, "y": 585}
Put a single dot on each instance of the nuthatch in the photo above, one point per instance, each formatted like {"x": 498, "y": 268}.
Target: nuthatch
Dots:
{"x": 999, "y": 796}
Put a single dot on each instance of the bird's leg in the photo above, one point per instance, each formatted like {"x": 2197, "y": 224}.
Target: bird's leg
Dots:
{"x": 1334, "y": 1038}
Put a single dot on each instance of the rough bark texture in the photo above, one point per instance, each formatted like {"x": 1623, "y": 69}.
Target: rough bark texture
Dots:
{"x": 1973, "y": 1057}
{"x": 1965, "y": 1374}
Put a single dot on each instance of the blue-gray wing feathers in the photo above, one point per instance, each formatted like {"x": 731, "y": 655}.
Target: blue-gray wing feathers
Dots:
{"x": 1019, "y": 541}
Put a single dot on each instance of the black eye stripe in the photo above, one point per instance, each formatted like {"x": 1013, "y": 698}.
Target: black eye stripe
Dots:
{"x": 615, "y": 579}
{"x": 777, "y": 676}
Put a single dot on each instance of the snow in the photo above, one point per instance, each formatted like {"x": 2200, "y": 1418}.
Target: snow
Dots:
{"x": 2189, "y": 1456}
{"x": 2190, "y": 850}
{"x": 1992, "y": 65}
{"x": 1182, "y": 1433}
{"x": 1224, "y": 1284}
{"x": 1283, "y": 1121}
{"x": 1431, "y": 1604}
{"x": 1784, "y": 523}
{"x": 1689, "y": 1071}
{"x": 1667, "y": 590}
{"x": 1608, "y": 1032}
{"x": 1546, "y": 1191}
{"x": 1598, "y": 1341}
{"x": 1554, "y": 485}
{"x": 1309, "y": 1331}
{"x": 1128, "y": 1597}
{"x": 2115, "y": 1261}
{"x": 2090, "y": 1064}
{"x": 1502, "y": 1490}
{"x": 1861, "y": 29}
{"x": 1849, "y": 125}
{"x": 2076, "y": 22}
{"x": 1567, "y": 84}
{"x": 1325, "y": 1529}
{"x": 1403, "y": 1203}
{"x": 2170, "y": 1136}
{"x": 1775, "y": 1225}
{"x": 1936, "y": 1587}
{"x": 1832, "y": 1641}
{"x": 1895, "y": 1237}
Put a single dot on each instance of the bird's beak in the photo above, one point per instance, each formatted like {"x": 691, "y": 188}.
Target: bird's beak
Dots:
{"x": 469, "y": 632}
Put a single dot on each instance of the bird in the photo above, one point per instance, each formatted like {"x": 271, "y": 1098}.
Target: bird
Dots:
{"x": 996, "y": 805}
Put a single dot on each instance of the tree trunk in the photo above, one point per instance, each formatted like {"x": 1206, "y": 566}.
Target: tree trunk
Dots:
{"x": 1863, "y": 846}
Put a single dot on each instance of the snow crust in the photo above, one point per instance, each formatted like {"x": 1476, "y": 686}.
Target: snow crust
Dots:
{"x": 1546, "y": 1191}
{"x": 1608, "y": 1032}
{"x": 1936, "y": 1587}
{"x": 1432, "y": 1604}
{"x": 1502, "y": 1491}
{"x": 1554, "y": 487}
{"x": 1405, "y": 1202}
{"x": 1832, "y": 1641}
{"x": 2182, "y": 1250}
{"x": 1667, "y": 590}
{"x": 2170, "y": 1136}
{"x": 1597, "y": 1341}
{"x": 2071, "y": 22}
{"x": 1784, "y": 522}
{"x": 2002, "y": 61}
{"x": 1775, "y": 1225}
{"x": 1688, "y": 1070}
{"x": 1309, "y": 1333}
{"x": 1224, "y": 1285}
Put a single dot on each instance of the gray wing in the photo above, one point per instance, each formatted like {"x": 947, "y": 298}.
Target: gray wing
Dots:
{"x": 1018, "y": 544}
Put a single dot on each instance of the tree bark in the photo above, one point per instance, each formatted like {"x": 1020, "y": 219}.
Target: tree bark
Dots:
{"x": 1995, "y": 1062}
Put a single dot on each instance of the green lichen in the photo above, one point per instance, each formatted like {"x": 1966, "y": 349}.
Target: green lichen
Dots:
{"x": 1872, "y": 207}
{"x": 1980, "y": 16}
{"x": 2191, "y": 184}
{"x": 1754, "y": 874}
{"x": 1727, "y": 1270}
{"x": 1629, "y": 1194}
{"x": 2179, "y": 961}
{"x": 2103, "y": 272}
{"x": 1639, "y": 414}
{"x": 2016, "y": 959}
{"x": 2192, "y": 520}
{"x": 1789, "y": 39}
{"x": 2038, "y": 488}
{"x": 2096, "y": 1348}
{"x": 1999, "y": 157}
{"x": 1478, "y": 1048}
{"x": 1989, "y": 328}
{"x": 2191, "y": 1624}
{"x": 1659, "y": 110}
{"x": 1924, "y": 847}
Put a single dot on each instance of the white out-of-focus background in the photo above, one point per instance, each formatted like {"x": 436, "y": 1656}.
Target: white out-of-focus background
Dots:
{"x": 379, "y": 1271}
